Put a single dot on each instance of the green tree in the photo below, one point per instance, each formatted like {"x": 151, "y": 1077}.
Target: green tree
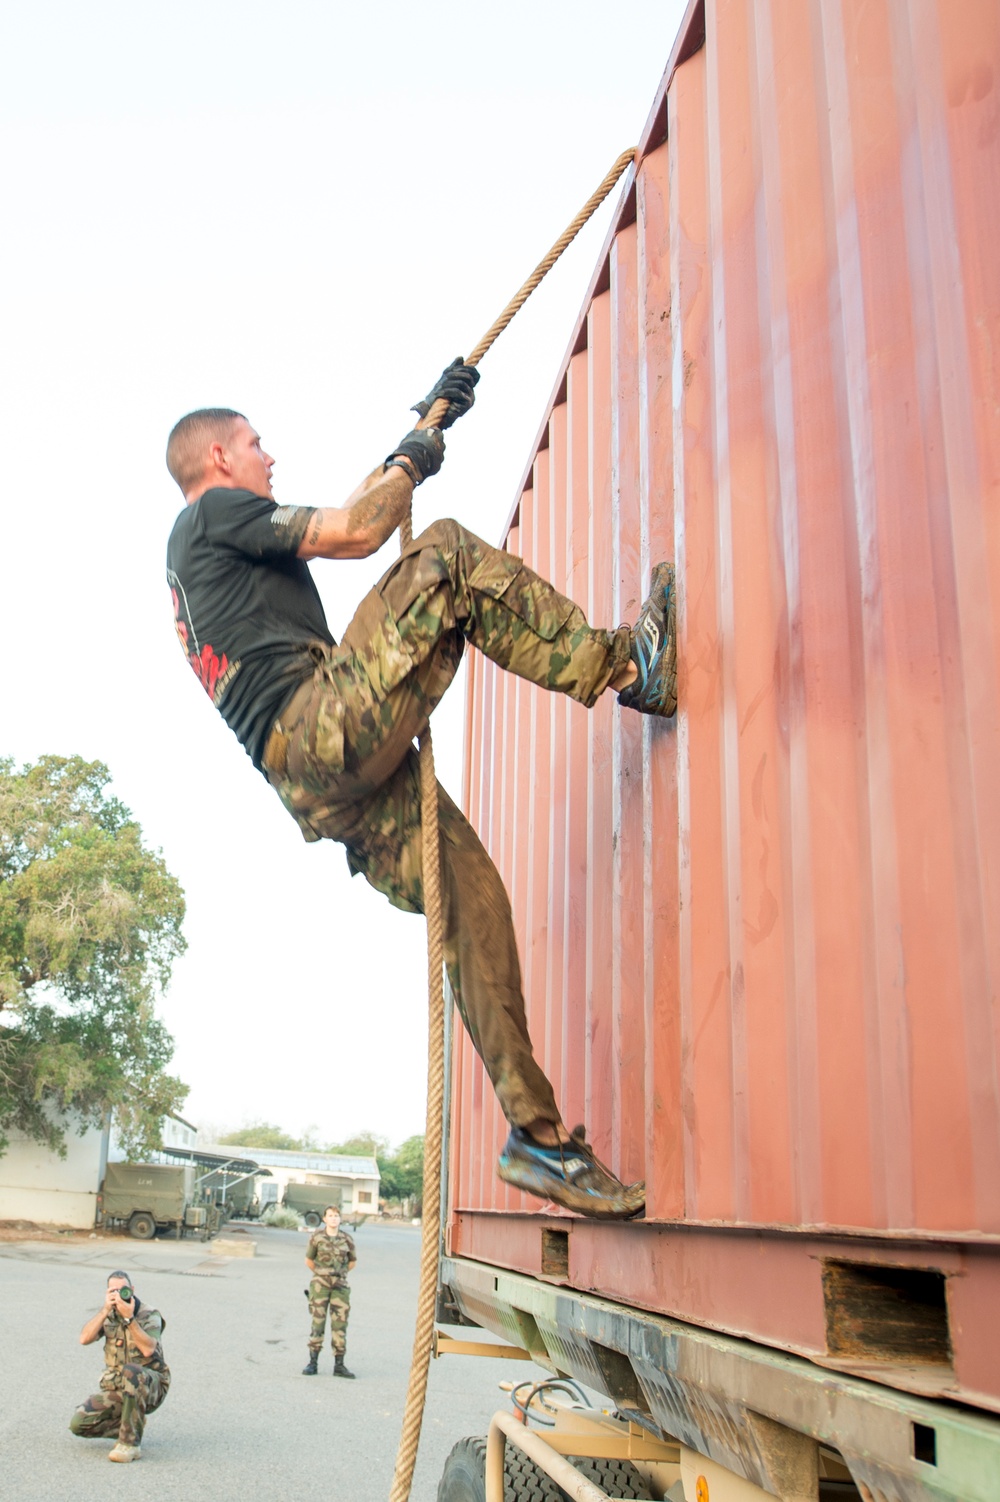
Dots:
{"x": 361, "y": 1145}
{"x": 266, "y": 1134}
{"x": 402, "y": 1172}
{"x": 90, "y": 924}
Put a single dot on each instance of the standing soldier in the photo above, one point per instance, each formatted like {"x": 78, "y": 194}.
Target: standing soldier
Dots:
{"x": 329, "y": 1257}
{"x": 135, "y": 1378}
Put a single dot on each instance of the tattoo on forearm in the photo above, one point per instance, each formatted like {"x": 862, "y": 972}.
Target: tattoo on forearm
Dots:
{"x": 381, "y": 509}
{"x": 317, "y": 527}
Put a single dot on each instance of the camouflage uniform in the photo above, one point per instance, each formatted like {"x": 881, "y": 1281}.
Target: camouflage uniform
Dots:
{"x": 132, "y": 1385}
{"x": 328, "y": 1288}
{"x": 342, "y": 761}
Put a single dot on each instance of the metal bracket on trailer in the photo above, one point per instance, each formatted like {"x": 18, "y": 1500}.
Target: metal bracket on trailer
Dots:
{"x": 447, "y": 1345}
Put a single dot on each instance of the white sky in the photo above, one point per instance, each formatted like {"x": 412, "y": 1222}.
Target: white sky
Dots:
{"x": 303, "y": 211}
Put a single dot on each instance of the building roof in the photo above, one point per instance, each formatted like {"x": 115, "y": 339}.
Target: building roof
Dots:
{"x": 208, "y": 1158}
{"x": 345, "y": 1167}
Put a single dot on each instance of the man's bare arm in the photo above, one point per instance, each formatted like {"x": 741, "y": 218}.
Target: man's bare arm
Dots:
{"x": 136, "y": 1335}
{"x": 359, "y": 528}
{"x": 94, "y": 1328}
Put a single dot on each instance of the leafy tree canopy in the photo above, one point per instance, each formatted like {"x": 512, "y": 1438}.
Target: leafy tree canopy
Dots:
{"x": 90, "y": 925}
{"x": 361, "y": 1145}
{"x": 402, "y": 1172}
{"x": 266, "y": 1134}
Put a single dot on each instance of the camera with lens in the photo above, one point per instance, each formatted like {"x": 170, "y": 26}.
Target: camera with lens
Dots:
{"x": 124, "y": 1293}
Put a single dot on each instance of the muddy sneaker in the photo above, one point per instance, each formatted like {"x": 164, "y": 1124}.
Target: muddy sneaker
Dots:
{"x": 654, "y": 649}
{"x": 124, "y": 1453}
{"x": 569, "y": 1174}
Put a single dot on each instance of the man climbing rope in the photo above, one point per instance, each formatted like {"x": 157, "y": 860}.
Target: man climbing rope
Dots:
{"x": 332, "y": 726}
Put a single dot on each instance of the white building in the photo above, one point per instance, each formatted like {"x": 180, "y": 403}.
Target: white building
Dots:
{"x": 36, "y": 1184}
{"x": 176, "y": 1132}
{"x": 353, "y": 1182}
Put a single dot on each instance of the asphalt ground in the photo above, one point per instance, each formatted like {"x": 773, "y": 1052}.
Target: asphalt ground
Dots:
{"x": 240, "y": 1422}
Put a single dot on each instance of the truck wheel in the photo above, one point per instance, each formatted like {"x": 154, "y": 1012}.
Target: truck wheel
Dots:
{"x": 312, "y": 1220}
{"x": 142, "y": 1226}
{"x": 464, "y": 1476}
{"x": 619, "y": 1478}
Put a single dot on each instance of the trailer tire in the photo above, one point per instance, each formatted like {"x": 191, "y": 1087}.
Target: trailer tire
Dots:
{"x": 464, "y": 1476}
{"x": 312, "y": 1220}
{"x": 619, "y": 1478}
{"x": 142, "y": 1225}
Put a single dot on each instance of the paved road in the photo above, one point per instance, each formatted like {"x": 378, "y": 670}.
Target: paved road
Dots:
{"x": 240, "y": 1423}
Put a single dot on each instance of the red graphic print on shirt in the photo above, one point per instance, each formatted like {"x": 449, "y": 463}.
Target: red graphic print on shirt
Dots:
{"x": 211, "y": 670}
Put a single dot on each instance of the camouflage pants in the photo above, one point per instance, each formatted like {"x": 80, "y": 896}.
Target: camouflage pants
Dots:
{"x": 343, "y": 763}
{"x": 338, "y": 1302}
{"x": 121, "y": 1411}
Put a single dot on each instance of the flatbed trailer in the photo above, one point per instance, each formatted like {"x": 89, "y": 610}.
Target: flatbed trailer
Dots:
{"x": 761, "y": 943}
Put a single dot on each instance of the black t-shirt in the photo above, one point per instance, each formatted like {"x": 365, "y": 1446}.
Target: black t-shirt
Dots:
{"x": 245, "y": 608}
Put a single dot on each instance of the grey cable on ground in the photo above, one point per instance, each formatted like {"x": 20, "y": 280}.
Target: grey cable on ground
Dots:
{"x": 413, "y": 1412}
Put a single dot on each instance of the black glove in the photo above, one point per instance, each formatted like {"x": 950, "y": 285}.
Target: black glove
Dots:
{"x": 424, "y": 448}
{"x": 456, "y": 384}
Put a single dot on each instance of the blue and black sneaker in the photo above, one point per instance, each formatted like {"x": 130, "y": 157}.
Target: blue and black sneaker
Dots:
{"x": 569, "y": 1174}
{"x": 654, "y": 649}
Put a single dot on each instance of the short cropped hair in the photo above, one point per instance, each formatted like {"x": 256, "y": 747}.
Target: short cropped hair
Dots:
{"x": 332, "y": 1207}
{"x": 119, "y": 1274}
{"x": 189, "y": 440}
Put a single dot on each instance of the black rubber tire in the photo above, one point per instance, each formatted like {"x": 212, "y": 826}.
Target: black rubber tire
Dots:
{"x": 619, "y": 1478}
{"x": 464, "y": 1477}
{"x": 312, "y": 1220}
{"x": 522, "y": 1479}
{"x": 142, "y": 1226}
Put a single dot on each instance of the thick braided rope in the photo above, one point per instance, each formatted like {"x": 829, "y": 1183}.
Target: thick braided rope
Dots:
{"x": 413, "y": 1412}
{"x": 545, "y": 265}
{"x": 423, "y": 1337}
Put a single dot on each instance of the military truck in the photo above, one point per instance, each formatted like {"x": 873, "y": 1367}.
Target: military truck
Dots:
{"x": 310, "y": 1200}
{"x": 239, "y": 1196}
{"x": 151, "y": 1197}
{"x": 233, "y": 1194}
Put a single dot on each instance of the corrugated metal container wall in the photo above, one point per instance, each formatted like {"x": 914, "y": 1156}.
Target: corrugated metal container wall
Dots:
{"x": 760, "y": 943}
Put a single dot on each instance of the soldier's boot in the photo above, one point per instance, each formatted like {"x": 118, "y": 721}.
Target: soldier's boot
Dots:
{"x": 654, "y": 649}
{"x": 124, "y": 1453}
{"x": 312, "y": 1369}
{"x": 339, "y": 1369}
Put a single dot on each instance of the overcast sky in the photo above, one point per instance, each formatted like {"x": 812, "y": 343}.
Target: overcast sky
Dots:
{"x": 302, "y": 211}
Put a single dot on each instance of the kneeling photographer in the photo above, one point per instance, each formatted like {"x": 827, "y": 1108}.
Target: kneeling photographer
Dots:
{"x": 135, "y": 1377}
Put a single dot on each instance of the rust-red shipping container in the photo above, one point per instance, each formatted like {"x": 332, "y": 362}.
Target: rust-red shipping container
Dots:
{"x": 761, "y": 942}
